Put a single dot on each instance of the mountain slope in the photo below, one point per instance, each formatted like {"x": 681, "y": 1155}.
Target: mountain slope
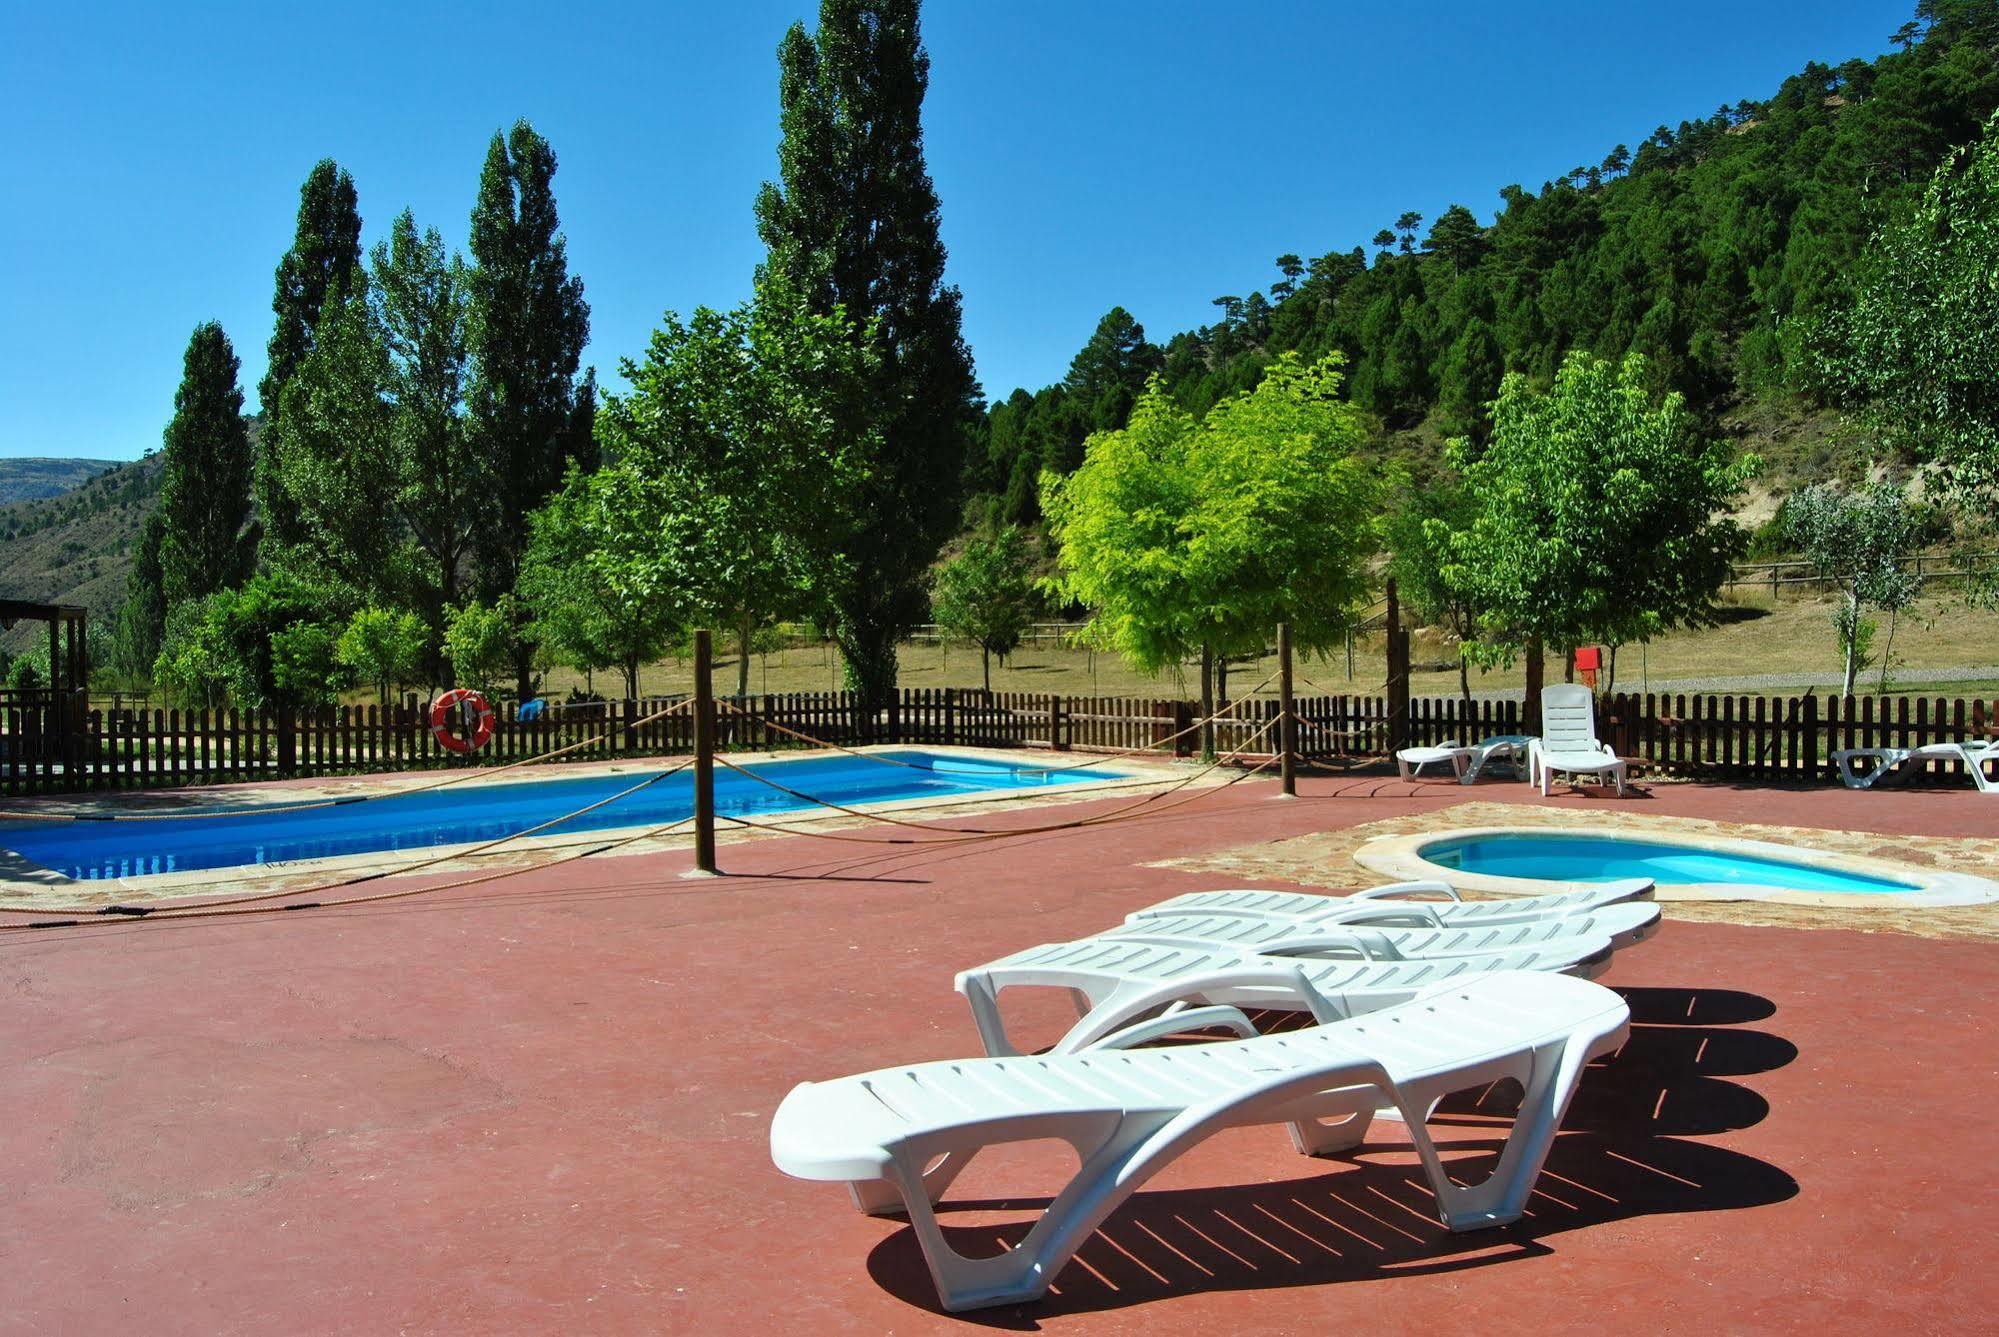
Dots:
{"x": 32, "y": 478}
{"x": 74, "y": 548}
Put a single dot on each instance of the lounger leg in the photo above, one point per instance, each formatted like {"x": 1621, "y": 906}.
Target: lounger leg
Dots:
{"x": 1314, "y": 1138}
{"x": 984, "y": 1000}
{"x": 1402, "y": 769}
{"x": 1024, "y": 1272}
{"x": 1549, "y": 1075}
{"x": 880, "y": 1197}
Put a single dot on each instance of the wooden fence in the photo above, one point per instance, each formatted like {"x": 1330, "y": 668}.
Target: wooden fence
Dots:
{"x": 51, "y": 746}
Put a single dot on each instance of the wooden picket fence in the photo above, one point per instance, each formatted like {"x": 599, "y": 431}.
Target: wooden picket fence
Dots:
{"x": 48, "y": 745}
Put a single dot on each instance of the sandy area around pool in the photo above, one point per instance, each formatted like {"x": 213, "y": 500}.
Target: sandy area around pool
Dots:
{"x": 1326, "y": 858}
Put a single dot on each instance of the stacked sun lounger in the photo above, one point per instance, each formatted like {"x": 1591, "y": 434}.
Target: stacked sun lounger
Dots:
{"x": 1413, "y": 999}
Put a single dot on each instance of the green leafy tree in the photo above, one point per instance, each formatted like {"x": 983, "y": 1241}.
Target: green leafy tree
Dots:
{"x": 331, "y": 447}
{"x": 1917, "y": 347}
{"x": 986, "y": 595}
{"x": 731, "y": 492}
{"x": 420, "y": 307}
{"x": 595, "y": 605}
{"x": 1428, "y": 581}
{"x": 383, "y": 646}
{"x": 325, "y": 252}
{"x": 480, "y": 642}
{"x": 1406, "y": 223}
{"x": 1292, "y": 268}
{"x": 205, "y": 475}
{"x": 528, "y": 323}
{"x": 1861, "y": 541}
{"x": 266, "y": 646}
{"x": 1597, "y": 514}
{"x": 1186, "y": 536}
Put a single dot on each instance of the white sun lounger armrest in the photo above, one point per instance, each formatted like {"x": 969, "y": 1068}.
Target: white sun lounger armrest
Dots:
{"x": 1173, "y": 1022}
{"x": 1394, "y": 914}
{"x": 1427, "y": 887}
{"x": 1284, "y": 984}
{"x": 1343, "y": 941}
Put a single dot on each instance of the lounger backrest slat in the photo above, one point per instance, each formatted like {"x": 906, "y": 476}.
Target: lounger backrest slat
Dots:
{"x": 1568, "y": 718}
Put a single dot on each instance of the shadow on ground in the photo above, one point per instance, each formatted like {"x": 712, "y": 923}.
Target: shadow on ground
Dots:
{"x": 1367, "y": 1215}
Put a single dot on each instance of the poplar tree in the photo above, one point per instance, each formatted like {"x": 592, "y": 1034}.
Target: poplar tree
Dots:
{"x": 325, "y": 250}
{"x": 205, "y": 478}
{"x": 528, "y": 324}
{"x": 852, "y": 225}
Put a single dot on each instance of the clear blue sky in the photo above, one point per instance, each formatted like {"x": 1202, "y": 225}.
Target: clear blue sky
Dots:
{"x": 1148, "y": 153}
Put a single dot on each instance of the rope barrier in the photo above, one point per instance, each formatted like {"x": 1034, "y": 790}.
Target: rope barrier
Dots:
{"x": 962, "y": 834}
{"x": 171, "y": 910}
{"x": 481, "y": 773}
{"x": 1108, "y": 756}
{"x": 1122, "y": 814}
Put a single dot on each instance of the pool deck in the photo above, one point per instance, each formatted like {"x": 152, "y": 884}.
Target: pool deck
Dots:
{"x": 541, "y": 1105}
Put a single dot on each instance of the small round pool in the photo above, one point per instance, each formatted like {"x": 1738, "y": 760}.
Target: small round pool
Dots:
{"x": 1555, "y": 856}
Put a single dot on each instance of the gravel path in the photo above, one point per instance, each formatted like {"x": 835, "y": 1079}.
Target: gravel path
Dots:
{"x": 1760, "y": 682}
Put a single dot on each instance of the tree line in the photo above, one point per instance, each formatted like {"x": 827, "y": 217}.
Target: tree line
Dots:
{"x": 434, "y": 491}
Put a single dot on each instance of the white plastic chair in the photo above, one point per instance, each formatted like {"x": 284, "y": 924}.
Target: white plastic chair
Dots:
{"x": 899, "y": 1137}
{"x": 1568, "y": 742}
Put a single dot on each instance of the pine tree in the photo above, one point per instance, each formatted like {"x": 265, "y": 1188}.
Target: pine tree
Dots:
{"x": 205, "y": 478}
{"x": 528, "y": 325}
{"x": 142, "y": 618}
{"x": 852, "y": 224}
{"x": 325, "y": 250}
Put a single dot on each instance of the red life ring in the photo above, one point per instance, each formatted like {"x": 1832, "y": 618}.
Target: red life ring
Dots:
{"x": 482, "y": 719}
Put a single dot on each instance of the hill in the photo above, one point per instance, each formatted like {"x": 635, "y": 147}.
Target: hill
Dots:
{"x": 74, "y": 548}
{"x": 32, "y": 478}
{"x": 1714, "y": 249}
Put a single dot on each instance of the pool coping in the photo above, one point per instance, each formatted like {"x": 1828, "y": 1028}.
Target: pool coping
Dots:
{"x": 23, "y": 883}
{"x": 1400, "y": 858}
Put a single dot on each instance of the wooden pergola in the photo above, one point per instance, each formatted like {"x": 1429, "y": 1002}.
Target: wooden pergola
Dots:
{"x": 69, "y": 651}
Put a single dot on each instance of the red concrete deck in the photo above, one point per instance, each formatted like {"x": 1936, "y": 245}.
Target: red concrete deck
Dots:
{"x": 542, "y": 1106}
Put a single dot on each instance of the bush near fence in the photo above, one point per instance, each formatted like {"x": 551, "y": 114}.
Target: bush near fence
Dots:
{"x": 1715, "y": 737}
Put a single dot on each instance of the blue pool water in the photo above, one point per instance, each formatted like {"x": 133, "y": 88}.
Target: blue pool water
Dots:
{"x": 474, "y": 812}
{"x": 1586, "y": 858}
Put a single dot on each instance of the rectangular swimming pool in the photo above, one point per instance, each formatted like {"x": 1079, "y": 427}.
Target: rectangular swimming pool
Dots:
{"x": 472, "y": 812}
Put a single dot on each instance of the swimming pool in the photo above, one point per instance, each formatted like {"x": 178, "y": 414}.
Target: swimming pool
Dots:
{"x": 1552, "y": 856}
{"x": 475, "y": 812}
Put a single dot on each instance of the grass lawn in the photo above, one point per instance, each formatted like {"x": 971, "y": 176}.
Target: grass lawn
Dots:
{"x": 1756, "y": 635}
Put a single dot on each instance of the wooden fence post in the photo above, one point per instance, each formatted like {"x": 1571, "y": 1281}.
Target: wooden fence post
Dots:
{"x": 1287, "y": 724}
{"x": 287, "y": 740}
{"x": 704, "y": 756}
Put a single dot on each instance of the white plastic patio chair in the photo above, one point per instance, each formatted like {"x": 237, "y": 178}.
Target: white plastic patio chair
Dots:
{"x": 1568, "y": 744}
{"x": 899, "y": 1137}
{"x": 1394, "y": 904}
{"x": 1974, "y": 754}
{"x": 1468, "y": 762}
{"x": 1116, "y": 981}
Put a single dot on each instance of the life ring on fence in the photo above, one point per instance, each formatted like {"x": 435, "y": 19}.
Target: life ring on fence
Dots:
{"x": 442, "y": 709}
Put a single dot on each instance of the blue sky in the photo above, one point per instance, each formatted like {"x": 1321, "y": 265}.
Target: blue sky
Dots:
{"x": 1088, "y": 152}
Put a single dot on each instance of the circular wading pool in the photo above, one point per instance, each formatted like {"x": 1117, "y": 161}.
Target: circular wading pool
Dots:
{"x": 1684, "y": 867}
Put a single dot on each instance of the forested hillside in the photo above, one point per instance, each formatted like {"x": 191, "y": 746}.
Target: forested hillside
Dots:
{"x": 1713, "y": 248}
{"x": 31, "y": 478}
{"x": 74, "y": 548}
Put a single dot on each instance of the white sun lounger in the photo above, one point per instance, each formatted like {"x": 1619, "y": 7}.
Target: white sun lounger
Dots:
{"x": 1625, "y": 924}
{"x": 1117, "y": 981}
{"x": 1975, "y": 757}
{"x": 1468, "y": 762}
{"x": 1568, "y": 744}
{"x": 898, "y": 1137}
{"x": 1390, "y": 905}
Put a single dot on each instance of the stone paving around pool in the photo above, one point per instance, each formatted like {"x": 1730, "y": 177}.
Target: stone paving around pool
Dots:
{"x": 1326, "y": 859}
